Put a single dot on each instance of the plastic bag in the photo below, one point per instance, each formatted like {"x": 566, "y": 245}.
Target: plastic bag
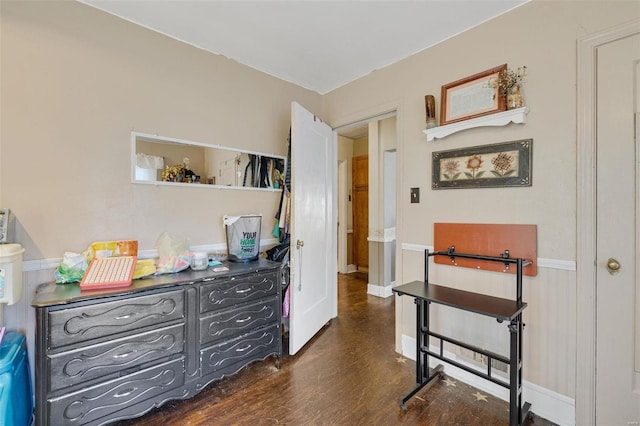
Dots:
{"x": 279, "y": 253}
{"x": 243, "y": 237}
{"x": 74, "y": 265}
{"x": 71, "y": 269}
{"x": 173, "y": 254}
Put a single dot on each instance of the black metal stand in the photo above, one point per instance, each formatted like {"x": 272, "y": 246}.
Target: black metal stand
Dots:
{"x": 425, "y": 293}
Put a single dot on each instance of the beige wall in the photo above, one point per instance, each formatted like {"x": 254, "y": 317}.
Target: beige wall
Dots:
{"x": 76, "y": 82}
{"x": 543, "y": 36}
{"x": 361, "y": 146}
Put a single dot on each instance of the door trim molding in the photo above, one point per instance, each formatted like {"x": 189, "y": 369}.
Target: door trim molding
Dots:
{"x": 586, "y": 218}
{"x": 382, "y": 116}
{"x": 343, "y": 191}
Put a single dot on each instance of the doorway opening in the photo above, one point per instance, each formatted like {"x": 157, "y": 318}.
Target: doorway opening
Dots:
{"x": 367, "y": 201}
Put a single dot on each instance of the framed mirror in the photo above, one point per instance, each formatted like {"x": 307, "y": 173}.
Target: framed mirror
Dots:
{"x": 161, "y": 160}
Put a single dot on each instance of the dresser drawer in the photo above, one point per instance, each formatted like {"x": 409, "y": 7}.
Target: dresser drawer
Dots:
{"x": 109, "y": 397}
{"x": 239, "y": 320}
{"x": 237, "y": 290}
{"x": 111, "y": 357}
{"x": 241, "y": 350}
{"x": 74, "y": 325}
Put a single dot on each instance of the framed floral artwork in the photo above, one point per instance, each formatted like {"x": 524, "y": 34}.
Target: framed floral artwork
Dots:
{"x": 484, "y": 166}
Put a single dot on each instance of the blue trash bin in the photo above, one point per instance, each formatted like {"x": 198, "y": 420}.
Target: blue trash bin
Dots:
{"x": 16, "y": 398}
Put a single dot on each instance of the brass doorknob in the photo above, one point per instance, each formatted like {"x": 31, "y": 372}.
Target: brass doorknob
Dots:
{"x": 613, "y": 266}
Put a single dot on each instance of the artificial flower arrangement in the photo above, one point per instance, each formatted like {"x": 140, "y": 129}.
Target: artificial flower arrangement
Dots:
{"x": 173, "y": 173}
{"x": 176, "y": 173}
{"x": 509, "y": 80}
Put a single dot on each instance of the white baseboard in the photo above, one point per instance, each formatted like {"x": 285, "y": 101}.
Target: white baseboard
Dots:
{"x": 351, "y": 269}
{"x": 380, "y": 291}
{"x": 545, "y": 403}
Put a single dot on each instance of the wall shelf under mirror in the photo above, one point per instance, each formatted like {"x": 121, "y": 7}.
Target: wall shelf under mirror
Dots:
{"x": 517, "y": 116}
{"x": 159, "y": 160}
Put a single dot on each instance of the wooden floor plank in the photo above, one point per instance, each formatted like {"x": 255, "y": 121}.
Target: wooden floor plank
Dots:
{"x": 349, "y": 374}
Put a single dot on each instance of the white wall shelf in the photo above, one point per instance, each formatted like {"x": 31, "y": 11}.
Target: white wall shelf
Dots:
{"x": 498, "y": 119}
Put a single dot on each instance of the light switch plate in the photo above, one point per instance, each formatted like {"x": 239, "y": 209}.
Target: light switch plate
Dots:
{"x": 415, "y": 195}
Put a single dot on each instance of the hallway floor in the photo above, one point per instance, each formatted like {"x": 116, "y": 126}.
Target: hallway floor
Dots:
{"x": 349, "y": 374}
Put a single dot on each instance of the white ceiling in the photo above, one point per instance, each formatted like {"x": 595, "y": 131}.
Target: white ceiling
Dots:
{"x": 319, "y": 45}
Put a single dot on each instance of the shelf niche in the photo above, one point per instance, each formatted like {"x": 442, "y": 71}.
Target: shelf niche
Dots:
{"x": 517, "y": 116}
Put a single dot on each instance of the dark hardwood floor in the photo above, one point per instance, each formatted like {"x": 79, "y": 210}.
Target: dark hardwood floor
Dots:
{"x": 349, "y": 374}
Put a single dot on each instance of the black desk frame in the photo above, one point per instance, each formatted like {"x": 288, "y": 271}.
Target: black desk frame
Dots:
{"x": 425, "y": 293}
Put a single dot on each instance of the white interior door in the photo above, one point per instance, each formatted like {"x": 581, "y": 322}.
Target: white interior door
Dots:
{"x": 618, "y": 226}
{"x": 313, "y": 260}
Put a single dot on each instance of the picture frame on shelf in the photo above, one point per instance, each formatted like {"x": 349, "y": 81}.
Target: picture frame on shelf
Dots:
{"x": 471, "y": 97}
{"x": 485, "y": 166}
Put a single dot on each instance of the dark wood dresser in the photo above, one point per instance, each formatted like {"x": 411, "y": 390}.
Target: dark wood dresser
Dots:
{"x": 107, "y": 355}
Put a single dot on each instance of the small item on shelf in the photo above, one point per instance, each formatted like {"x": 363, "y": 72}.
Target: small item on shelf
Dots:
{"x": 173, "y": 173}
{"x": 509, "y": 83}
{"x": 113, "y": 248}
{"x": 144, "y": 268}
{"x": 471, "y": 97}
{"x": 243, "y": 237}
{"x": 199, "y": 260}
{"x": 430, "y": 108}
{"x": 514, "y": 99}
{"x": 214, "y": 263}
{"x": 173, "y": 254}
{"x": 219, "y": 256}
{"x": 109, "y": 272}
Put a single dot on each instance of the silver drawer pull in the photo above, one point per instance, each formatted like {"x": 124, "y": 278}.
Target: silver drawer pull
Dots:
{"x": 243, "y": 349}
{"x": 126, "y": 392}
{"x": 243, "y": 291}
{"x": 121, "y": 317}
{"x": 124, "y": 355}
{"x": 244, "y": 319}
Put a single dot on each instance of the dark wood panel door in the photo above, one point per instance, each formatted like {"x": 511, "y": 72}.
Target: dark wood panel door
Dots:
{"x": 360, "y": 191}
